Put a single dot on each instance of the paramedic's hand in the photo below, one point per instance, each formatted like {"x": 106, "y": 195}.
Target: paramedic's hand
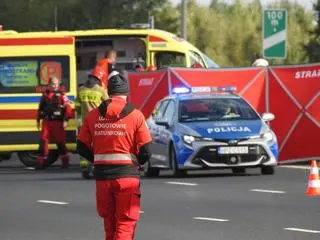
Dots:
{"x": 65, "y": 124}
{"x": 38, "y": 125}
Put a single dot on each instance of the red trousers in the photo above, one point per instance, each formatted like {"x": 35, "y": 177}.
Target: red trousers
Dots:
{"x": 52, "y": 130}
{"x": 118, "y": 203}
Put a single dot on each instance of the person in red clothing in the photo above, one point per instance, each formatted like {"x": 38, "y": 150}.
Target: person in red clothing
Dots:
{"x": 107, "y": 63}
{"x": 54, "y": 110}
{"x": 139, "y": 68}
{"x": 115, "y": 137}
{"x": 152, "y": 68}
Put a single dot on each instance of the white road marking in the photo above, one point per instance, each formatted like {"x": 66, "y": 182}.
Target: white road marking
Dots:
{"x": 267, "y": 191}
{"x": 302, "y": 230}
{"x": 296, "y": 167}
{"x": 52, "y": 202}
{"x": 183, "y": 183}
{"x": 29, "y": 168}
{"x": 211, "y": 219}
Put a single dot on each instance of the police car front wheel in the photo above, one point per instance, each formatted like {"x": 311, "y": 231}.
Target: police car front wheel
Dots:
{"x": 174, "y": 165}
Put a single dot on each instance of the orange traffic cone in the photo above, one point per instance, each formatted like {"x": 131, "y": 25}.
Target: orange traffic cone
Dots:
{"x": 314, "y": 181}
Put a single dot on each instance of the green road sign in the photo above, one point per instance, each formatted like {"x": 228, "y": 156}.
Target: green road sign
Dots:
{"x": 274, "y": 33}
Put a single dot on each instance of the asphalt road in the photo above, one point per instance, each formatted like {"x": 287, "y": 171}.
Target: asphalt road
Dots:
{"x": 210, "y": 205}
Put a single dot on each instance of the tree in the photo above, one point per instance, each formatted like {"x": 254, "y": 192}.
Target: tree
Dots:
{"x": 228, "y": 32}
{"x": 32, "y": 15}
{"x": 313, "y": 46}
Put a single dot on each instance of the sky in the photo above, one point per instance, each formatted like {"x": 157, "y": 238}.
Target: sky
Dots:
{"x": 305, "y": 3}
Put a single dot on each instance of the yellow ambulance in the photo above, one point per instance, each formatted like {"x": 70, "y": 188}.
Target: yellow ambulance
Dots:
{"x": 26, "y": 59}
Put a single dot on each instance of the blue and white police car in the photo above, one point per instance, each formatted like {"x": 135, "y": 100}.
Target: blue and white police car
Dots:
{"x": 209, "y": 128}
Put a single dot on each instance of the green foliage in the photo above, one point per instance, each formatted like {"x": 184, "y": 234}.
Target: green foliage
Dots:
{"x": 229, "y": 33}
{"x": 313, "y": 46}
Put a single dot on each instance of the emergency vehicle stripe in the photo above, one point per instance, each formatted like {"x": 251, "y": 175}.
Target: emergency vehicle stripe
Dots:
{"x": 24, "y": 99}
{"x": 114, "y": 156}
{"x": 156, "y": 39}
{"x": 19, "y": 114}
{"x": 29, "y": 137}
{"x": 36, "y": 41}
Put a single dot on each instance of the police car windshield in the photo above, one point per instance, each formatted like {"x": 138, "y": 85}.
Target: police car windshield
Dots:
{"x": 215, "y": 109}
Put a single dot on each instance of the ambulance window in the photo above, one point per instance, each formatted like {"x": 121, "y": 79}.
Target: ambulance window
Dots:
{"x": 195, "y": 58}
{"x": 170, "y": 59}
{"x": 29, "y": 74}
{"x": 86, "y": 61}
{"x": 209, "y": 61}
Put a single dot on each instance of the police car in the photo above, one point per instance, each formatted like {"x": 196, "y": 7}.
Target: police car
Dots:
{"x": 208, "y": 128}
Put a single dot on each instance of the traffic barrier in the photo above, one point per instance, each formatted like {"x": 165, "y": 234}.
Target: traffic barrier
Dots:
{"x": 291, "y": 93}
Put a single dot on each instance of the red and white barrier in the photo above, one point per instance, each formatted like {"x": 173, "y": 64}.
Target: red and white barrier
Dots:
{"x": 292, "y": 93}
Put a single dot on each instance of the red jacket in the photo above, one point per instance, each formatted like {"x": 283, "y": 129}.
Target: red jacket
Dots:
{"x": 115, "y": 142}
{"x": 105, "y": 63}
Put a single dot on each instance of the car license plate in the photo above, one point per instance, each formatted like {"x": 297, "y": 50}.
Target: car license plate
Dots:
{"x": 233, "y": 150}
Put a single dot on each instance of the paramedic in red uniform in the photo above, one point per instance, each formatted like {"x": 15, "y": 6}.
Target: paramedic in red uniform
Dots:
{"x": 115, "y": 137}
{"x": 107, "y": 63}
{"x": 54, "y": 110}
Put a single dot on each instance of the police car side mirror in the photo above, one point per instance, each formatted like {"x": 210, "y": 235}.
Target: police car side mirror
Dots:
{"x": 267, "y": 117}
{"x": 163, "y": 122}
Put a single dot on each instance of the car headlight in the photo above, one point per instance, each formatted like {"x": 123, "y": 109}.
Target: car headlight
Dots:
{"x": 188, "y": 139}
{"x": 268, "y": 136}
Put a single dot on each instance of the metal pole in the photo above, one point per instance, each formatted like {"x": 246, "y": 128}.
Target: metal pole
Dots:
{"x": 184, "y": 13}
{"x": 151, "y": 21}
{"x": 56, "y": 18}
{"x": 261, "y": 14}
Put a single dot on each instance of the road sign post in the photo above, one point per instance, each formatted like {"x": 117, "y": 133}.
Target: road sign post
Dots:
{"x": 274, "y": 22}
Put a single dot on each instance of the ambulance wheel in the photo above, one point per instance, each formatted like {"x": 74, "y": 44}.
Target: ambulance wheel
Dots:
{"x": 5, "y": 156}
{"x": 267, "y": 170}
{"x": 29, "y": 158}
{"x": 150, "y": 171}
{"x": 174, "y": 165}
{"x": 52, "y": 157}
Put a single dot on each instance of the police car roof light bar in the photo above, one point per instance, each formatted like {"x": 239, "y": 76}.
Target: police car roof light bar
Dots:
{"x": 207, "y": 89}
{"x": 181, "y": 90}
{"x": 227, "y": 89}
